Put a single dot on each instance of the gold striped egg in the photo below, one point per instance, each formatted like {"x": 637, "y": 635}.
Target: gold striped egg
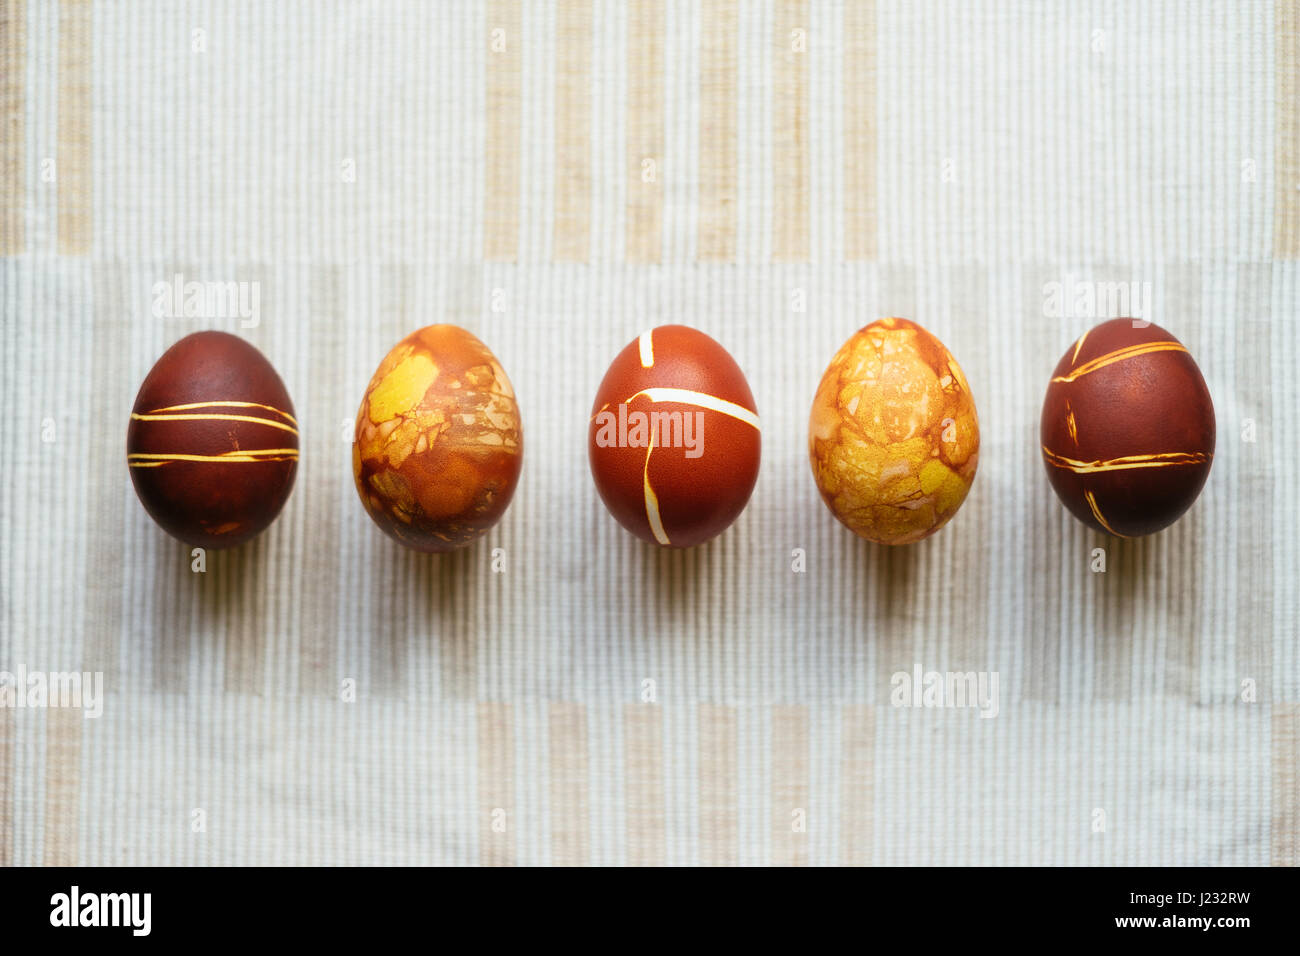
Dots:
{"x": 212, "y": 445}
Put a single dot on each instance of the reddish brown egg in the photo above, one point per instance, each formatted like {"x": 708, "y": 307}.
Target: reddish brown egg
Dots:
{"x": 674, "y": 438}
{"x": 213, "y": 444}
{"x": 439, "y": 442}
{"x": 1127, "y": 429}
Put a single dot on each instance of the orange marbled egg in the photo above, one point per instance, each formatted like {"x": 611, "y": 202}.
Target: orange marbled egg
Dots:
{"x": 893, "y": 436}
{"x": 439, "y": 442}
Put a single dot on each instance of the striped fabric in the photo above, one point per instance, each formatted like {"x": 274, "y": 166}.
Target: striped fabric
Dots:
{"x": 557, "y": 176}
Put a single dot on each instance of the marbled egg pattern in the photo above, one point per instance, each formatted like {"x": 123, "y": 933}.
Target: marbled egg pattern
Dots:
{"x": 893, "y": 435}
{"x": 439, "y": 442}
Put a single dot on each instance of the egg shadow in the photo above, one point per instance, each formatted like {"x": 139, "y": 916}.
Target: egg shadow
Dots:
{"x": 1127, "y": 560}
{"x": 177, "y": 590}
{"x": 676, "y": 572}
{"x": 404, "y": 597}
{"x": 450, "y": 583}
{"x": 692, "y": 609}
{"x": 225, "y": 583}
{"x": 892, "y": 572}
{"x": 1121, "y": 591}
{"x": 223, "y": 596}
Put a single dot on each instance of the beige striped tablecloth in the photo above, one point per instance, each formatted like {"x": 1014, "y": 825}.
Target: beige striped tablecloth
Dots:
{"x": 557, "y": 176}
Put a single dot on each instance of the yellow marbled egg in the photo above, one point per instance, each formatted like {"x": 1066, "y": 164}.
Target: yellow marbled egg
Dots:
{"x": 893, "y": 437}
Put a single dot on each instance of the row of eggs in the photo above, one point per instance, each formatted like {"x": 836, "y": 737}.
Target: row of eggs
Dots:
{"x": 1127, "y": 435}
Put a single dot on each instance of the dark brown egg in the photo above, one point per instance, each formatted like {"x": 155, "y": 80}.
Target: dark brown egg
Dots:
{"x": 439, "y": 442}
{"x": 213, "y": 443}
{"x": 1127, "y": 428}
{"x": 674, "y": 439}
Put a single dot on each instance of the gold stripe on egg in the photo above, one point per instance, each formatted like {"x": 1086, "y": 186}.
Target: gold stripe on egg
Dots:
{"x": 1096, "y": 513}
{"x": 185, "y": 417}
{"x": 686, "y": 396}
{"x": 190, "y": 406}
{"x": 1120, "y": 355}
{"x": 1078, "y": 345}
{"x": 651, "y": 499}
{"x": 155, "y": 459}
{"x": 1126, "y": 463}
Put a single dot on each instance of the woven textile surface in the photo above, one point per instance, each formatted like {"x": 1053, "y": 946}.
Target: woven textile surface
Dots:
{"x": 557, "y": 177}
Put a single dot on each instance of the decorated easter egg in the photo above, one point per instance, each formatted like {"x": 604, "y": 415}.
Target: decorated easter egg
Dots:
{"x": 673, "y": 438}
{"x": 439, "y": 442}
{"x": 893, "y": 437}
{"x": 1127, "y": 428}
{"x": 213, "y": 443}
